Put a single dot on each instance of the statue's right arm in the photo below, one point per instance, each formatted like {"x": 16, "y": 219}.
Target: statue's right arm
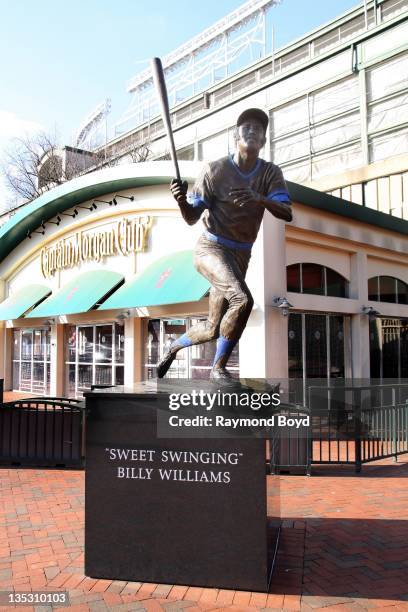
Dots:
{"x": 190, "y": 212}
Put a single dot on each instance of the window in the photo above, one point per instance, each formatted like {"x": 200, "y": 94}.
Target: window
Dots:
{"x": 186, "y": 154}
{"x": 293, "y": 278}
{"x": 387, "y": 289}
{"x": 94, "y": 355}
{"x": 319, "y": 133}
{"x": 31, "y": 360}
{"x": 317, "y": 280}
{"x": 312, "y": 279}
{"x": 216, "y": 146}
{"x": 317, "y": 348}
{"x": 192, "y": 362}
{"x": 387, "y": 112}
{"x": 389, "y": 348}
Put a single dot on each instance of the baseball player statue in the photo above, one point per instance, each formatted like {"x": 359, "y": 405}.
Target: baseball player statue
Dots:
{"x": 231, "y": 195}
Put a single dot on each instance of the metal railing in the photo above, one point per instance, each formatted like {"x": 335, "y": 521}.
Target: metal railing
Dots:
{"x": 348, "y": 425}
{"x": 371, "y": 424}
{"x": 42, "y": 432}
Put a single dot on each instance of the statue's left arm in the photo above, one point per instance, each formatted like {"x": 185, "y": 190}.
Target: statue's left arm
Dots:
{"x": 277, "y": 201}
{"x": 282, "y": 209}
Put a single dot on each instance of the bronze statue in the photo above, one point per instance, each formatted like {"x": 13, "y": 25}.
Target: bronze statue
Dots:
{"x": 232, "y": 194}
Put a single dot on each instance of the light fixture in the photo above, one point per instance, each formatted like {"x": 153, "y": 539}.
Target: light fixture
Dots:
{"x": 131, "y": 198}
{"x": 91, "y": 207}
{"x": 283, "y": 304}
{"x": 57, "y": 222}
{"x": 49, "y": 321}
{"x": 125, "y": 314}
{"x": 370, "y": 312}
{"x": 29, "y": 234}
{"x": 73, "y": 215}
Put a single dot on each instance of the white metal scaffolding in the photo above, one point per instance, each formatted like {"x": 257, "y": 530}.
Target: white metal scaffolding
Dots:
{"x": 93, "y": 131}
{"x": 224, "y": 48}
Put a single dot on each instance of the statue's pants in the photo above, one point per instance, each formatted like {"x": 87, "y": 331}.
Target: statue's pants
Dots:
{"x": 230, "y": 302}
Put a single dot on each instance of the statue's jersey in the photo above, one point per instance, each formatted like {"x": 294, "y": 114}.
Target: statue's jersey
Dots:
{"x": 223, "y": 218}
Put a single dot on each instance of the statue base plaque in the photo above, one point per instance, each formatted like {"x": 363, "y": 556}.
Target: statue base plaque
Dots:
{"x": 173, "y": 511}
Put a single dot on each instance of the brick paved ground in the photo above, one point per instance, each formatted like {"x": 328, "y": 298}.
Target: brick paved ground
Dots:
{"x": 344, "y": 545}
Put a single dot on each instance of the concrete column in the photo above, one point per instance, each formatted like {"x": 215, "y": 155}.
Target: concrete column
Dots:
{"x": 360, "y": 337}
{"x": 57, "y": 361}
{"x": 264, "y": 344}
{"x": 133, "y": 350}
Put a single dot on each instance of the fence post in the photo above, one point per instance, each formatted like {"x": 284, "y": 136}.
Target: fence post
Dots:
{"x": 357, "y": 432}
{"x": 394, "y": 425}
{"x": 309, "y": 445}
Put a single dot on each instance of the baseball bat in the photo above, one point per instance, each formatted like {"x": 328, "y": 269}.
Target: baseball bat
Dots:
{"x": 160, "y": 85}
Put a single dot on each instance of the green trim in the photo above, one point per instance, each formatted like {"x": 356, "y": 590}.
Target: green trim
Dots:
{"x": 169, "y": 280}
{"x": 22, "y": 300}
{"x": 79, "y": 295}
{"x": 76, "y": 191}
{"x": 328, "y": 203}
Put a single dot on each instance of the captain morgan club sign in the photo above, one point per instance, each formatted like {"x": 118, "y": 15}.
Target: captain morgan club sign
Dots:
{"x": 125, "y": 237}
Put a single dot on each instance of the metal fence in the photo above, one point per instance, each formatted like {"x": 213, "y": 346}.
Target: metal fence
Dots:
{"x": 348, "y": 425}
{"x": 42, "y": 432}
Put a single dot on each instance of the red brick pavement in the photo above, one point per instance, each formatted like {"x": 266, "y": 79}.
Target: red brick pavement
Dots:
{"x": 344, "y": 545}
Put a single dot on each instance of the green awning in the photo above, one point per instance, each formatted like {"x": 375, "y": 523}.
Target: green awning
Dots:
{"x": 169, "y": 280}
{"x": 79, "y": 295}
{"x": 18, "y": 303}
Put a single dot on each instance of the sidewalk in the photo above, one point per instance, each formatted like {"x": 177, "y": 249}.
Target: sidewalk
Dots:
{"x": 344, "y": 545}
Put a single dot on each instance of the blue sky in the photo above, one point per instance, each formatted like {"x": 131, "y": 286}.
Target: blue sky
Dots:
{"x": 60, "y": 59}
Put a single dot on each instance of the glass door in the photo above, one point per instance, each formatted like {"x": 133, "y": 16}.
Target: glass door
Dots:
{"x": 31, "y": 360}
{"x": 318, "y": 347}
{"x": 103, "y": 354}
{"x": 161, "y": 333}
{"x": 388, "y": 348}
{"x": 85, "y": 354}
{"x": 26, "y": 364}
{"x": 191, "y": 362}
{"x": 94, "y": 355}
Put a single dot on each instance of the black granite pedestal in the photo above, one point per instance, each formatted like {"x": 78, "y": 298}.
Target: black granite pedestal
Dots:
{"x": 173, "y": 511}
